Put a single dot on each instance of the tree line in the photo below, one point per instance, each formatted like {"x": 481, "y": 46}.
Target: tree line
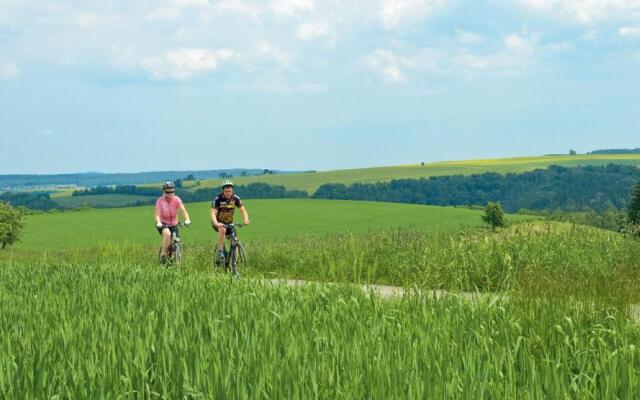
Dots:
{"x": 252, "y": 190}
{"x": 577, "y": 189}
{"x": 586, "y": 188}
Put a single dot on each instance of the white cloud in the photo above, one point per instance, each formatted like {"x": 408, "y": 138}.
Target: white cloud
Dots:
{"x": 519, "y": 44}
{"x": 394, "y": 13}
{"x": 89, "y": 20}
{"x": 587, "y": 11}
{"x": 292, "y": 7}
{"x": 512, "y": 56}
{"x": 191, "y": 3}
{"x": 164, "y": 13}
{"x": 516, "y": 53}
{"x": 388, "y": 66}
{"x": 314, "y": 30}
{"x": 9, "y": 71}
{"x": 184, "y": 64}
{"x": 265, "y": 50}
{"x": 629, "y": 31}
{"x": 48, "y": 132}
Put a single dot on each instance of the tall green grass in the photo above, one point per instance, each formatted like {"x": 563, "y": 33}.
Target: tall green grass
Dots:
{"x": 540, "y": 259}
{"x": 103, "y": 331}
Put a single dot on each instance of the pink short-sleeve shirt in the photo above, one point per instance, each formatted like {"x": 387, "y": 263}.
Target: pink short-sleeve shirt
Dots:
{"x": 168, "y": 210}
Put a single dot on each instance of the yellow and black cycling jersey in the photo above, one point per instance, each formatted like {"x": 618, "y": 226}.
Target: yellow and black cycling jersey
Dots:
{"x": 226, "y": 207}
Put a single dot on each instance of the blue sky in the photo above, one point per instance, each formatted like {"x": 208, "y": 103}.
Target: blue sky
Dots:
{"x": 89, "y": 85}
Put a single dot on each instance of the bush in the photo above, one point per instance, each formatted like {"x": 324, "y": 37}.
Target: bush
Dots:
{"x": 494, "y": 215}
{"x": 10, "y": 225}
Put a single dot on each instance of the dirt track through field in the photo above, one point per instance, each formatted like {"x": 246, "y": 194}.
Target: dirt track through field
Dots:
{"x": 390, "y": 292}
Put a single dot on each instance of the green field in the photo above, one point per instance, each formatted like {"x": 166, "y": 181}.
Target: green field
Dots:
{"x": 311, "y": 181}
{"x": 110, "y": 331}
{"x": 554, "y": 312}
{"x": 549, "y": 310}
{"x": 105, "y": 200}
{"x": 271, "y": 219}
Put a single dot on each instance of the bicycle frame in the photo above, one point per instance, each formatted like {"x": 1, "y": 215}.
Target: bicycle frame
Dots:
{"x": 235, "y": 254}
{"x": 174, "y": 252}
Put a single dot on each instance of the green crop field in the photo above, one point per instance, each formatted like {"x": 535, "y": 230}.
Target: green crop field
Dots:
{"x": 548, "y": 310}
{"x": 106, "y": 200}
{"x": 311, "y": 181}
{"x": 560, "y": 325}
{"x": 108, "y": 331}
{"x": 271, "y": 219}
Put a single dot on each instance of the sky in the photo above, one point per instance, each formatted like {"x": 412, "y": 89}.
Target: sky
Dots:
{"x": 143, "y": 85}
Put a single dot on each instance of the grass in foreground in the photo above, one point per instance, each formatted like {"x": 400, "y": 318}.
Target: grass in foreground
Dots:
{"x": 96, "y": 331}
{"x": 539, "y": 259}
{"x": 271, "y": 219}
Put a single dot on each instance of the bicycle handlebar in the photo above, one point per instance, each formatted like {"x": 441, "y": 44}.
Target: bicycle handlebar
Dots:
{"x": 180, "y": 224}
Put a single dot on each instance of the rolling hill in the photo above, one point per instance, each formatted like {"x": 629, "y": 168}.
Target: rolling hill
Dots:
{"x": 311, "y": 181}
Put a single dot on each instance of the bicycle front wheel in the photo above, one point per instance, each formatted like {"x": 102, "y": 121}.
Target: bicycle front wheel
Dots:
{"x": 236, "y": 259}
{"x": 177, "y": 254}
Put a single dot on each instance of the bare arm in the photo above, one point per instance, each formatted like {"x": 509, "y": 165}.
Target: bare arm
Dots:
{"x": 158, "y": 219}
{"x": 245, "y": 216}
{"x": 185, "y": 214}
{"x": 214, "y": 217}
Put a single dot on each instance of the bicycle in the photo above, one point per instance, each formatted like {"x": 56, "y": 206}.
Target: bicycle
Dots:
{"x": 174, "y": 252}
{"x": 236, "y": 256}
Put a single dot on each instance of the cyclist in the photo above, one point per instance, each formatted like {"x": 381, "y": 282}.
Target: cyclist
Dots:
{"x": 222, "y": 209}
{"x": 167, "y": 208}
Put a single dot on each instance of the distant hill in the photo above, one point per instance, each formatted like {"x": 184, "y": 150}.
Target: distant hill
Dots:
{"x": 311, "y": 181}
{"x": 90, "y": 179}
{"x": 616, "y": 151}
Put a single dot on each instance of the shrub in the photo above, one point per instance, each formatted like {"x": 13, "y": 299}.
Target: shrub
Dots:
{"x": 494, "y": 215}
{"x": 10, "y": 225}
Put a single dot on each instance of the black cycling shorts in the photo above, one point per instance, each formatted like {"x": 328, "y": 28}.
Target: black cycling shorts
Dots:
{"x": 171, "y": 229}
{"x": 229, "y": 231}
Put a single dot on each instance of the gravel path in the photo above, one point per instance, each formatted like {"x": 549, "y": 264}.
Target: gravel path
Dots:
{"x": 388, "y": 292}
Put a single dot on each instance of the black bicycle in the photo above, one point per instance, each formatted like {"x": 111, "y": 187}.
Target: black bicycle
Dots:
{"x": 235, "y": 257}
{"x": 174, "y": 252}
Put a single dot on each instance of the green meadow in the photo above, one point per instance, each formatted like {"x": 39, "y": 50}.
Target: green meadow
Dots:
{"x": 554, "y": 316}
{"x": 537, "y": 310}
{"x": 271, "y": 219}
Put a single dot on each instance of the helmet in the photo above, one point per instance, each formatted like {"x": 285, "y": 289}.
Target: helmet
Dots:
{"x": 226, "y": 183}
{"x": 168, "y": 185}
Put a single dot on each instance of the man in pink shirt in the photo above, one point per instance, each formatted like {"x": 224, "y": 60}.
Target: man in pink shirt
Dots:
{"x": 167, "y": 208}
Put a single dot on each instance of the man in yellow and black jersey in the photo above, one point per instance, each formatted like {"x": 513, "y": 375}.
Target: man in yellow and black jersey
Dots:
{"x": 222, "y": 210}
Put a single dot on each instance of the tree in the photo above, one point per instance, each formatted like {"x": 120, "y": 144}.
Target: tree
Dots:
{"x": 178, "y": 183}
{"x": 243, "y": 173}
{"x": 10, "y": 225}
{"x": 494, "y": 215}
{"x": 634, "y": 207}
{"x": 190, "y": 177}
{"x": 224, "y": 175}
{"x": 572, "y": 152}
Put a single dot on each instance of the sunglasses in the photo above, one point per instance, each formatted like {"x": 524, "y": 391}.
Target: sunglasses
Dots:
{"x": 172, "y": 192}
